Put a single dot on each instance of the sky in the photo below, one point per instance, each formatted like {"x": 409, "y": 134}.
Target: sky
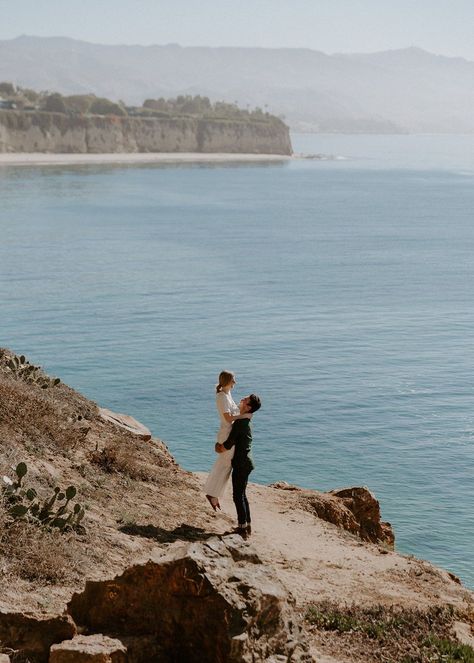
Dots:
{"x": 444, "y": 27}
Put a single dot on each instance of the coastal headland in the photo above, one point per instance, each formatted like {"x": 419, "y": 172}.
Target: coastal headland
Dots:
{"x": 148, "y": 572}
{"x": 41, "y": 131}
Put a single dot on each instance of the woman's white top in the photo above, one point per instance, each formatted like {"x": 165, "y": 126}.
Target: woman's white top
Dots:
{"x": 225, "y": 403}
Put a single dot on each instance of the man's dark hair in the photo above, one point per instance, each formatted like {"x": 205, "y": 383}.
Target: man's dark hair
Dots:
{"x": 254, "y": 402}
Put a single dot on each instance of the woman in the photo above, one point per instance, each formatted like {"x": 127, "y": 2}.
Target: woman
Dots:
{"x": 228, "y": 413}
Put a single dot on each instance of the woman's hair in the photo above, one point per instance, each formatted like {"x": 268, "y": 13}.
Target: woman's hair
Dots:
{"x": 225, "y": 378}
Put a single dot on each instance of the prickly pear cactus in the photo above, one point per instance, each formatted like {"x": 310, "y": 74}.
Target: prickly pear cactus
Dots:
{"x": 21, "y": 369}
{"x": 54, "y": 511}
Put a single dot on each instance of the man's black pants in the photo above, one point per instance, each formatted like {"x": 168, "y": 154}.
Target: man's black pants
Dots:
{"x": 240, "y": 479}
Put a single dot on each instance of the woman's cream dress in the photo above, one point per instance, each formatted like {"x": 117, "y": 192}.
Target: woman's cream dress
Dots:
{"x": 220, "y": 473}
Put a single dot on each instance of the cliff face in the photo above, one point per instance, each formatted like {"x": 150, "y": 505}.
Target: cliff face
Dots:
{"x": 59, "y": 133}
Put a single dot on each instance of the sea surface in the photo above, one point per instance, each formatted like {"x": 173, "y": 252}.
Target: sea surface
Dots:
{"x": 339, "y": 289}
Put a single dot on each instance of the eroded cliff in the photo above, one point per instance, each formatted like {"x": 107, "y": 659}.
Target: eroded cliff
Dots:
{"x": 37, "y": 131}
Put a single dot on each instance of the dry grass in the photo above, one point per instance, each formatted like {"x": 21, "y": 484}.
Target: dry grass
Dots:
{"x": 124, "y": 460}
{"x": 33, "y": 416}
{"x": 115, "y": 459}
{"x": 57, "y": 417}
{"x": 387, "y": 634}
{"x": 133, "y": 458}
{"x": 37, "y": 554}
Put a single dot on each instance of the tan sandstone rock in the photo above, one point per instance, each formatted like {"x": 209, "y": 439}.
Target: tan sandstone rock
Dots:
{"x": 366, "y": 509}
{"x": 210, "y": 601}
{"x": 125, "y": 421}
{"x": 354, "y": 509}
{"x": 4, "y": 658}
{"x": 89, "y": 649}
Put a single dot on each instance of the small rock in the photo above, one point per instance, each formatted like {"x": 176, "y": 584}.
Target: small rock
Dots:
{"x": 283, "y": 485}
{"x": 454, "y": 578}
{"x": 125, "y": 421}
{"x": 464, "y": 633}
{"x": 89, "y": 649}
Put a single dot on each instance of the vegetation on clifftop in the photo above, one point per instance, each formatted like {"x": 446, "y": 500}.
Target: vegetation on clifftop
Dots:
{"x": 389, "y": 633}
{"x": 183, "y": 106}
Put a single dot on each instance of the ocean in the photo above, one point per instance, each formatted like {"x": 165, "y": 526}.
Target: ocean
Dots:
{"x": 339, "y": 289}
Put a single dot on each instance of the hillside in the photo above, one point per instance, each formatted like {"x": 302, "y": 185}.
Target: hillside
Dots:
{"x": 152, "y": 574}
{"x": 407, "y": 90}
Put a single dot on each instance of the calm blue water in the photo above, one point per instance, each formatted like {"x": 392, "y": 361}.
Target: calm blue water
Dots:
{"x": 341, "y": 291}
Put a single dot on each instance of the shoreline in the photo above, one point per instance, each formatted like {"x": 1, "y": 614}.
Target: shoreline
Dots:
{"x": 125, "y": 158}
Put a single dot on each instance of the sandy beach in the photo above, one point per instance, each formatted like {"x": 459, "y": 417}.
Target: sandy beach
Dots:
{"x": 42, "y": 159}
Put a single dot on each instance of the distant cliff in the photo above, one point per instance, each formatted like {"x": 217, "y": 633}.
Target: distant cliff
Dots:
{"x": 22, "y": 131}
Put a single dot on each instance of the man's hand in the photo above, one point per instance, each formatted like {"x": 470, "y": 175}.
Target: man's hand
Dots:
{"x": 220, "y": 448}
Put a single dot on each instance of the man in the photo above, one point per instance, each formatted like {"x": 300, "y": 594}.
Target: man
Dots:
{"x": 242, "y": 462}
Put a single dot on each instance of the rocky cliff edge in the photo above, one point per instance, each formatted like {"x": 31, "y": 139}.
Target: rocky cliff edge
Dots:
{"x": 152, "y": 574}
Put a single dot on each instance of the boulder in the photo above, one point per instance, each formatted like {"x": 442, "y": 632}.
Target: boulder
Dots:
{"x": 126, "y": 422}
{"x": 210, "y": 601}
{"x": 4, "y": 658}
{"x": 366, "y": 509}
{"x": 89, "y": 649}
{"x": 33, "y": 635}
{"x": 354, "y": 509}
{"x": 329, "y": 508}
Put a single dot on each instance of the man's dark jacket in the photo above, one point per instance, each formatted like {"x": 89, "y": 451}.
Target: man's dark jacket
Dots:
{"x": 241, "y": 437}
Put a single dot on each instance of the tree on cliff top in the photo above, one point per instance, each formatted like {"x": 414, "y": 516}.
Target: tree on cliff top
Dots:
{"x": 105, "y": 107}
{"x": 54, "y": 103}
{"x": 7, "y": 89}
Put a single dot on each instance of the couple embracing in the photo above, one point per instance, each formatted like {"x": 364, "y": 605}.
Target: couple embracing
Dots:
{"x": 234, "y": 446}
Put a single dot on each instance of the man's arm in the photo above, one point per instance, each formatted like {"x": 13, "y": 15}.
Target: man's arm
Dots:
{"x": 233, "y": 436}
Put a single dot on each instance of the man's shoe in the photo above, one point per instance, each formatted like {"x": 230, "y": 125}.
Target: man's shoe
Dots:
{"x": 241, "y": 531}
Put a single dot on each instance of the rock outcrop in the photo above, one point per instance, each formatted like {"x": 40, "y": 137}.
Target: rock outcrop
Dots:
{"x": 33, "y": 635}
{"x": 365, "y": 508}
{"x": 211, "y": 601}
{"x": 355, "y": 509}
{"x": 60, "y": 133}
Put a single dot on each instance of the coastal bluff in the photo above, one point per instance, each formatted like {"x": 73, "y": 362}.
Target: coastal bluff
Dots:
{"x": 39, "y": 131}
{"x": 151, "y": 573}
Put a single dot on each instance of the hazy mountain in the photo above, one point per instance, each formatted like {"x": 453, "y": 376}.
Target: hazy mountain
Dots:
{"x": 404, "y": 90}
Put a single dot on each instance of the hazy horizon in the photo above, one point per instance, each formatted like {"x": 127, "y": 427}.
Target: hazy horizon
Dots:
{"x": 329, "y": 26}
{"x": 278, "y": 48}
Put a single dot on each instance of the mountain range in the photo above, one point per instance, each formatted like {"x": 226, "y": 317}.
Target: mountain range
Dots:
{"x": 399, "y": 91}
